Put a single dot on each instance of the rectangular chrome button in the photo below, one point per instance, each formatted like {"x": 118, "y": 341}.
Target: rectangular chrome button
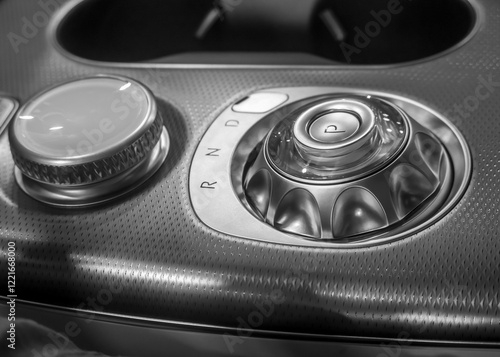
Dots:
{"x": 261, "y": 102}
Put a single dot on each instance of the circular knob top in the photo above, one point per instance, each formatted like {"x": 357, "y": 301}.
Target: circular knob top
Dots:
{"x": 336, "y": 139}
{"x": 334, "y": 127}
{"x": 85, "y": 131}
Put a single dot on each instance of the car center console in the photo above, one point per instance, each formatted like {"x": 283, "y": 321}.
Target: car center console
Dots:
{"x": 239, "y": 177}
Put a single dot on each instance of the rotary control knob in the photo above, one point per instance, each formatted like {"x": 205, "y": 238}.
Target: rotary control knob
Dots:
{"x": 87, "y": 141}
{"x": 336, "y": 140}
{"x": 346, "y": 168}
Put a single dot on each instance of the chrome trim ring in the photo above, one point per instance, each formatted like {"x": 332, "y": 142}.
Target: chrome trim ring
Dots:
{"x": 97, "y": 193}
{"x": 219, "y": 163}
{"x": 115, "y": 119}
{"x": 361, "y": 111}
{"x": 73, "y": 167}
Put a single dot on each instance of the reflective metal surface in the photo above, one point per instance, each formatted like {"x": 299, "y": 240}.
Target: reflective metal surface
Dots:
{"x": 260, "y": 103}
{"x": 438, "y": 285}
{"x": 100, "y": 192}
{"x": 298, "y": 213}
{"x": 125, "y": 335}
{"x": 357, "y": 211}
{"x": 87, "y": 140}
{"x": 334, "y": 127}
{"x": 380, "y": 200}
{"x": 304, "y": 125}
{"x": 295, "y": 153}
{"x": 8, "y": 106}
{"x": 383, "y": 206}
{"x": 359, "y": 204}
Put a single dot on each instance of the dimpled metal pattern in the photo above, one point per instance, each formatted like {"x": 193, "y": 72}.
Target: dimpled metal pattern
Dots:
{"x": 441, "y": 284}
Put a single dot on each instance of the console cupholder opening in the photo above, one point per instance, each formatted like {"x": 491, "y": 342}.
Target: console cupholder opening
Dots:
{"x": 281, "y": 32}
{"x": 394, "y": 31}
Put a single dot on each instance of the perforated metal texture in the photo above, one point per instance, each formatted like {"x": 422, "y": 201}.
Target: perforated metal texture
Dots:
{"x": 441, "y": 284}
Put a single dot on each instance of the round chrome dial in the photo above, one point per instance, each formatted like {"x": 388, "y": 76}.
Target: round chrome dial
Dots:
{"x": 425, "y": 171}
{"x": 334, "y": 127}
{"x": 87, "y": 140}
{"x": 336, "y": 139}
{"x": 344, "y": 168}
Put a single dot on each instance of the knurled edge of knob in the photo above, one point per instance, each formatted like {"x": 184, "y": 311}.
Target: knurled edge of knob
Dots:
{"x": 95, "y": 171}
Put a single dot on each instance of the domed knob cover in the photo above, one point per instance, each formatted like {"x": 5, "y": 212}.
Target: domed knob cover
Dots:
{"x": 336, "y": 139}
{"x": 86, "y": 132}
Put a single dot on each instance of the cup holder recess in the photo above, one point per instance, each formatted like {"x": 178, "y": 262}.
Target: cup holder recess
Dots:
{"x": 264, "y": 32}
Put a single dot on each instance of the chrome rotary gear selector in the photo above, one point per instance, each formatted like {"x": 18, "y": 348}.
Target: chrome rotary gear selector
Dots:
{"x": 343, "y": 188}
{"x": 328, "y": 167}
{"x": 336, "y": 139}
{"x": 87, "y": 141}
